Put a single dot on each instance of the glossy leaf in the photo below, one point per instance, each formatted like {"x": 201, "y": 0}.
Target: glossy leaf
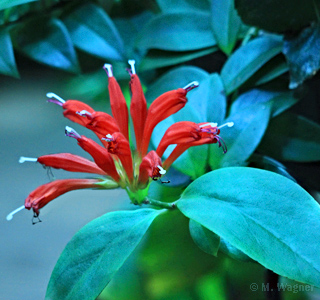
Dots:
{"x": 225, "y": 24}
{"x": 183, "y": 5}
{"x": 96, "y": 253}
{"x": 292, "y": 137}
{"x": 92, "y": 31}
{"x": 280, "y": 101}
{"x": 265, "y": 215}
{"x": 243, "y": 138}
{"x": 50, "y": 44}
{"x": 232, "y": 251}
{"x": 177, "y": 32}
{"x": 303, "y": 56}
{"x": 10, "y": 3}
{"x": 278, "y": 15}
{"x": 205, "y": 239}
{"x": 248, "y": 59}
{"x": 7, "y": 60}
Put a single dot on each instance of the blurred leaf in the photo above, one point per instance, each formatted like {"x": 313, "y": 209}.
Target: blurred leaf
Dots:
{"x": 158, "y": 58}
{"x": 49, "y": 44}
{"x": 280, "y": 101}
{"x": 177, "y": 32}
{"x": 10, "y": 3}
{"x": 167, "y": 6}
{"x": 225, "y": 24}
{"x": 278, "y": 15}
{"x": 243, "y": 138}
{"x": 96, "y": 252}
{"x": 205, "y": 239}
{"x": 293, "y": 138}
{"x": 7, "y": 60}
{"x": 265, "y": 215}
{"x": 302, "y": 53}
{"x": 248, "y": 59}
{"x": 232, "y": 251}
{"x": 92, "y": 31}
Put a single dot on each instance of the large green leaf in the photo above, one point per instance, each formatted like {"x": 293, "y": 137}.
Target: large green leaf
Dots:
{"x": 280, "y": 101}
{"x": 7, "y": 61}
{"x": 49, "y": 44}
{"x": 177, "y": 32}
{"x": 10, "y": 3}
{"x": 248, "y": 59}
{"x": 96, "y": 253}
{"x": 293, "y": 138}
{"x": 302, "y": 53}
{"x": 265, "y": 215}
{"x": 243, "y": 138}
{"x": 92, "y": 31}
{"x": 278, "y": 15}
{"x": 183, "y": 5}
{"x": 225, "y": 24}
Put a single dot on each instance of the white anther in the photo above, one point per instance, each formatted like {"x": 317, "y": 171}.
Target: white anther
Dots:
{"x": 108, "y": 69}
{"x": 229, "y": 124}
{"x": 54, "y": 96}
{"x": 83, "y": 113}
{"x": 72, "y": 133}
{"x": 209, "y": 124}
{"x": 10, "y": 216}
{"x": 108, "y": 138}
{"x": 162, "y": 170}
{"x": 191, "y": 85}
{"x": 132, "y": 62}
{"x": 22, "y": 159}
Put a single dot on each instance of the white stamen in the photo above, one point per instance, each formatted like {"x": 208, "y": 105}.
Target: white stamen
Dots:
{"x": 191, "y": 85}
{"x": 54, "y": 96}
{"x": 209, "y": 124}
{"x": 22, "y": 159}
{"x": 108, "y": 69}
{"x": 10, "y": 216}
{"x": 132, "y": 63}
{"x": 162, "y": 170}
{"x": 229, "y": 124}
{"x": 83, "y": 113}
{"x": 108, "y": 138}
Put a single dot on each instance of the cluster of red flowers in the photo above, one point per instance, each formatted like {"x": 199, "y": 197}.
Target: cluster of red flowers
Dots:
{"x": 115, "y": 160}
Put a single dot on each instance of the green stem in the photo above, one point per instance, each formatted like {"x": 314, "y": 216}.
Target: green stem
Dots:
{"x": 160, "y": 203}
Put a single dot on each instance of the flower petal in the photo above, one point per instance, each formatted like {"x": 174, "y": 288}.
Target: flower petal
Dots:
{"x": 150, "y": 167}
{"x": 71, "y": 107}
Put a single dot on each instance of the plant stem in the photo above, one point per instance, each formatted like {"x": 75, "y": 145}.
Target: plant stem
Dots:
{"x": 160, "y": 203}
{"x": 273, "y": 292}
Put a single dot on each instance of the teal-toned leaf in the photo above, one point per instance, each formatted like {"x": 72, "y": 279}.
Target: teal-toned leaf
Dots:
{"x": 278, "y": 15}
{"x": 302, "y": 53}
{"x": 167, "y": 6}
{"x": 96, "y": 253}
{"x": 265, "y": 215}
{"x": 50, "y": 44}
{"x": 280, "y": 101}
{"x": 92, "y": 31}
{"x": 243, "y": 138}
{"x": 205, "y": 239}
{"x": 248, "y": 59}
{"x": 293, "y": 138}
{"x": 10, "y": 3}
{"x": 225, "y": 24}
{"x": 158, "y": 58}
{"x": 177, "y": 32}
{"x": 232, "y": 251}
{"x": 7, "y": 61}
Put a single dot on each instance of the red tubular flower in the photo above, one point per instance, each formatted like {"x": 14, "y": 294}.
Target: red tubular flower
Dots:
{"x": 47, "y": 192}
{"x": 118, "y": 103}
{"x": 102, "y": 123}
{"x": 71, "y": 163}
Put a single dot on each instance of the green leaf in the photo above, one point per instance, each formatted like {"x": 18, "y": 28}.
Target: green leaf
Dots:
{"x": 92, "y": 31}
{"x": 278, "y": 15}
{"x": 243, "y": 138}
{"x": 167, "y": 6}
{"x": 7, "y": 61}
{"x": 10, "y": 3}
{"x": 248, "y": 59}
{"x": 232, "y": 251}
{"x": 205, "y": 239}
{"x": 50, "y": 44}
{"x": 177, "y": 32}
{"x": 280, "y": 101}
{"x": 265, "y": 215}
{"x": 225, "y": 24}
{"x": 292, "y": 137}
{"x": 302, "y": 53}
{"x": 96, "y": 253}
{"x": 158, "y": 58}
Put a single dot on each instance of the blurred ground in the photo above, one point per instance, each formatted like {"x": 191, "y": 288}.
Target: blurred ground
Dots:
{"x": 31, "y": 127}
